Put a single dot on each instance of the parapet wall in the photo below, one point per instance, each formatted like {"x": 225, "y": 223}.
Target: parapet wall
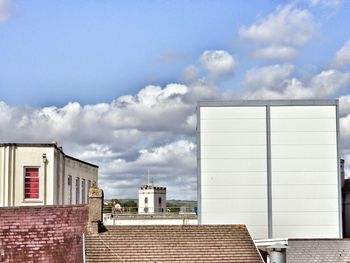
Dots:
{"x": 42, "y": 233}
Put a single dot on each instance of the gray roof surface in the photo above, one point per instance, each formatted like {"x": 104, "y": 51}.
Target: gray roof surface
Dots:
{"x": 318, "y": 250}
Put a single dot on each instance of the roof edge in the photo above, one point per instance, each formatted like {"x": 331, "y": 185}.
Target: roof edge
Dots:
{"x": 81, "y": 161}
{"x": 54, "y": 145}
{"x": 303, "y": 102}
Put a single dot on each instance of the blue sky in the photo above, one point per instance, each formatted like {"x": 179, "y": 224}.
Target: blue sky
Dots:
{"x": 54, "y": 52}
{"x": 116, "y": 82}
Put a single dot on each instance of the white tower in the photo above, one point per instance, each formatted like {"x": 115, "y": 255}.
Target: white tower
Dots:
{"x": 152, "y": 199}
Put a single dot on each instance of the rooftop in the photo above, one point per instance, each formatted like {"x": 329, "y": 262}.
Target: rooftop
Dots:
{"x": 318, "y": 250}
{"x": 150, "y": 186}
{"x": 54, "y": 145}
{"x": 172, "y": 243}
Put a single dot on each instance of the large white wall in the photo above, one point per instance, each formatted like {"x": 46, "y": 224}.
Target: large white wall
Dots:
{"x": 234, "y": 142}
{"x": 304, "y": 171}
{"x": 233, "y": 167}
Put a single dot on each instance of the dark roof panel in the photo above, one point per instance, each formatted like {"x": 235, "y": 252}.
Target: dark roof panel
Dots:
{"x": 318, "y": 250}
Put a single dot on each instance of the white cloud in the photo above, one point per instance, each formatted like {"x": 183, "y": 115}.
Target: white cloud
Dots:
{"x": 172, "y": 165}
{"x": 279, "y": 34}
{"x": 278, "y": 82}
{"x": 326, "y": 3}
{"x": 288, "y": 25}
{"x": 276, "y": 52}
{"x": 219, "y": 63}
{"x": 345, "y": 136}
{"x": 6, "y": 10}
{"x": 269, "y": 77}
{"x": 160, "y": 121}
{"x": 342, "y": 57}
{"x": 171, "y": 58}
{"x": 344, "y": 105}
{"x": 344, "y": 113}
{"x": 329, "y": 82}
{"x": 155, "y": 128}
{"x": 190, "y": 73}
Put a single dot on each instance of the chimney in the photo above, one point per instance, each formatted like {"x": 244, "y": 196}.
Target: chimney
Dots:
{"x": 95, "y": 209}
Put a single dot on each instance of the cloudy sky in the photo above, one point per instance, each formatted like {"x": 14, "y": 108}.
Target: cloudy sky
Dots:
{"x": 116, "y": 82}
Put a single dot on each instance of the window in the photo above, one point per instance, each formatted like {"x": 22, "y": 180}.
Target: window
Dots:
{"x": 83, "y": 193}
{"x": 31, "y": 183}
{"x": 145, "y": 209}
{"x": 69, "y": 197}
{"x": 160, "y": 205}
{"x": 89, "y": 186}
{"x": 77, "y": 190}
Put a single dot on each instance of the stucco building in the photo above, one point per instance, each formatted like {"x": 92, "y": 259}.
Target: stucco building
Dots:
{"x": 42, "y": 174}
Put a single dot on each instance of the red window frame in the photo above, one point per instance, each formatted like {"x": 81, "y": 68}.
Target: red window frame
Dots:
{"x": 31, "y": 183}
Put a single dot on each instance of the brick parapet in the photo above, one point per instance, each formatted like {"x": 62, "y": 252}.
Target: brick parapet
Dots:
{"x": 42, "y": 233}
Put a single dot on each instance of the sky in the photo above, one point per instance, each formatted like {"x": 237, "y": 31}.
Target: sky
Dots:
{"x": 116, "y": 83}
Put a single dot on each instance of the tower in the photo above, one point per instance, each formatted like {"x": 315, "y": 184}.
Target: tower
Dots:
{"x": 152, "y": 199}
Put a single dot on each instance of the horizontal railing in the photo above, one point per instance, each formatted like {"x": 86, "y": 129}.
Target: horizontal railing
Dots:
{"x": 150, "y": 210}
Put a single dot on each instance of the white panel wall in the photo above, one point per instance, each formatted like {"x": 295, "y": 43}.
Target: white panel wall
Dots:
{"x": 304, "y": 171}
{"x": 233, "y": 167}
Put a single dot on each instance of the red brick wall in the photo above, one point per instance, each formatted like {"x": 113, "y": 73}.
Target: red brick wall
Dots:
{"x": 42, "y": 234}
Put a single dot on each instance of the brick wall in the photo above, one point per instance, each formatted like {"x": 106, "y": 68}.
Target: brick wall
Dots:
{"x": 42, "y": 234}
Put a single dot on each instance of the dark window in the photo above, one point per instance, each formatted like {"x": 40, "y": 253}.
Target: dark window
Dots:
{"x": 83, "y": 194}
{"x": 77, "y": 190}
{"x": 70, "y": 189}
{"x": 88, "y": 189}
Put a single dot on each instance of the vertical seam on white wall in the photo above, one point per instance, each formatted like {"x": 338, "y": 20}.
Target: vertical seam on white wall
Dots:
{"x": 340, "y": 199}
{"x": 3, "y": 176}
{"x": 57, "y": 179}
{"x": 199, "y": 177}
{"x": 64, "y": 197}
{"x": 268, "y": 163}
{"x": 7, "y": 177}
{"x": 13, "y": 175}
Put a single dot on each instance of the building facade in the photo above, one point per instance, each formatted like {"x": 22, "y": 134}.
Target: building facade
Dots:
{"x": 272, "y": 165}
{"x": 152, "y": 199}
{"x": 42, "y": 174}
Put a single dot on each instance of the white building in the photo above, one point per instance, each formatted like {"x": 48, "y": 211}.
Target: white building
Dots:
{"x": 42, "y": 174}
{"x": 152, "y": 199}
{"x": 272, "y": 165}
